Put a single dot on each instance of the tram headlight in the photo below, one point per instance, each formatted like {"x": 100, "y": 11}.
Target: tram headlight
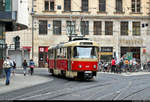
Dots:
{"x": 94, "y": 66}
{"x": 80, "y": 66}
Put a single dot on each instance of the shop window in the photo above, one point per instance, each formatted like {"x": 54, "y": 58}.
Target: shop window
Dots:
{"x": 106, "y": 54}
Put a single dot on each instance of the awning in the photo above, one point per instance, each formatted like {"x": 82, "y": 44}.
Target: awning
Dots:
{"x": 28, "y": 48}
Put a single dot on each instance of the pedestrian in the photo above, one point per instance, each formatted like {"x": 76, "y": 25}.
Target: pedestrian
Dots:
{"x": 25, "y": 65}
{"x": 7, "y": 65}
{"x": 99, "y": 65}
{"x": 32, "y": 65}
{"x": 14, "y": 67}
{"x": 121, "y": 65}
{"x": 126, "y": 62}
{"x": 113, "y": 65}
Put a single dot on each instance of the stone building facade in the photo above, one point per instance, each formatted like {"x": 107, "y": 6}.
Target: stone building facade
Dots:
{"x": 11, "y": 19}
{"x": 121, "y": 27}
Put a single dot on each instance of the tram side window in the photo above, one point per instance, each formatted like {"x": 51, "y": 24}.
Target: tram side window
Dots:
{"x": 64, "y": 53}
{"x": 58, "y": 53}
{"x": 51, "y": 54}
{"x": 61, "y": 53}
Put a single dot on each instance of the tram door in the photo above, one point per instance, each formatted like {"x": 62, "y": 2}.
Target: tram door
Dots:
{"x": 69, "y": 57}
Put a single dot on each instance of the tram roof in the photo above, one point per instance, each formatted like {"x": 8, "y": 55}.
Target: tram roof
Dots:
{"x": 81, "y": 42}
{"x": 76, "y": 43}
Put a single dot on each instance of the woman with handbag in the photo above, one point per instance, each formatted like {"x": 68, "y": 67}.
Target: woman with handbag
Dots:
{"x": 32, "y": 65}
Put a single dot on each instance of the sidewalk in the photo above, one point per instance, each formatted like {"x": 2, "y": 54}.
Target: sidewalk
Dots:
{"x": 128, "y": 73}
{"x": 19, "y": 81}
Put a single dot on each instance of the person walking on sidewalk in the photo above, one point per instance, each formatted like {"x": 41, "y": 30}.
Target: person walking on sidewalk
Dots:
{"x": 14, "y": 67}
{"x": 25, "y": 65}
{"x": 113, "y": 65}
{"x": 32, "y": 65}
{"x": 7, "y": 65}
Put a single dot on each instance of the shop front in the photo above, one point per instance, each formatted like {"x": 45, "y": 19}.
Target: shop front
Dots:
{"x": 43, "y": 56}
{"x": 131, "y": 52}
{"x": 106, "y": 54}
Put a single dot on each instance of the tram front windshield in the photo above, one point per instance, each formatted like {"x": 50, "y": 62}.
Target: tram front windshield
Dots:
{"x": 85, "y": 52}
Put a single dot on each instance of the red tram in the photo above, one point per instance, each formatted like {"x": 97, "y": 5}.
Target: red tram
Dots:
{"x": 74, "y": 59}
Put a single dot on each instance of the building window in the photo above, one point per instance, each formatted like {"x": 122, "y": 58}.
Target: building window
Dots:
{"x": 136, "y": 6}
{"x": 43, "y": 27}
{"x": 49, "y": 5}
{"x": 102, "y": 5}
{"x": 136, "y": 28}
{"x": 57, "y": 27}
{"x": 108, "y": 28}
{"x": 84, "y": 27}
{"x": 67, "y": 5}
{"x": 97, "y": 28}
{"x": 118, "y": 5}
{"x": 71, "y": 27}
{"x": 124, "y": 28}
{"x": 84, "y": 5}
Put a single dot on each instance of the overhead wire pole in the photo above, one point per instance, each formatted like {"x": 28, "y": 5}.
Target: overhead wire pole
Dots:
{"x": 32, "y": 13}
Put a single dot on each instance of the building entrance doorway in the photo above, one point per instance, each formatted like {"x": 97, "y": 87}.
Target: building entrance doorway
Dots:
{"x": 43, "y": 55}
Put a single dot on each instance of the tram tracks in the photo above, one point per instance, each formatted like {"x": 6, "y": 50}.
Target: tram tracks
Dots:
{"x": 71, "y": 87}
{"x": 121, "y": 94}
{"x": 65, "y": 91}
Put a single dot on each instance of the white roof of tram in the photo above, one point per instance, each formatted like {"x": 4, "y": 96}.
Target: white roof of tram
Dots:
{"x": 75, "y": 43}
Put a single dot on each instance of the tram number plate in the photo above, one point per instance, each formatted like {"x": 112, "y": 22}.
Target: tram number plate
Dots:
{"x": 88, "y": 71}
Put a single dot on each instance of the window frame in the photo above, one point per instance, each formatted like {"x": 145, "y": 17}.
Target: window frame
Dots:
{"x": 57, "y": 30}
{"x": 119, "y": 6}
{"x": 85, "y": 5}
{"x": 67, "y": 5}
{"x": 136, "y": 6}
{"x": 102, "y": 5}
{"x": 97, "y": 27}
{"x": 124, "y": 27}
{"x": 108, "y": 26}
{"x": 136, "y": 28}
{"x": 43, "y": 30}
{"x": 50, "y": 6}
{"x": 84, "y": 24}
{"x": 71, "y": 25}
